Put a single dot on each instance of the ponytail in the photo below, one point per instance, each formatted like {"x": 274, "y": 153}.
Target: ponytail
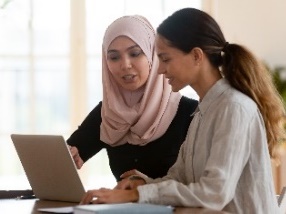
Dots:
{"x": 245, "y": 73}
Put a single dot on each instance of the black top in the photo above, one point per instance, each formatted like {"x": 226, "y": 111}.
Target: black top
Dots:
{"x": 154, "y": 159}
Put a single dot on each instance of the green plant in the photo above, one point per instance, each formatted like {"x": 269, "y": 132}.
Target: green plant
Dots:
{"x": 3, "y": 3}
{"x": 279, "y": 78}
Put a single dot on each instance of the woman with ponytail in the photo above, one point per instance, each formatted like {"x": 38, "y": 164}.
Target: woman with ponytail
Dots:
{"x": 225, "y": 162}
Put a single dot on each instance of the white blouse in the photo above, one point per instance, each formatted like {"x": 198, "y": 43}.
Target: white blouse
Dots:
{"x": 224, "y": 164}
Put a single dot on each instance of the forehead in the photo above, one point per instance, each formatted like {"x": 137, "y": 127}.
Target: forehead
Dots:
{"x": 121, "y": 42}
{"x": 163, "y": 48}
{"x": 159, "y": 43}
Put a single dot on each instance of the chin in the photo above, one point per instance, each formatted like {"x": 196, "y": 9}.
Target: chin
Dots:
{"x": 130, "y": 87}
{"x": 175, "y": 89}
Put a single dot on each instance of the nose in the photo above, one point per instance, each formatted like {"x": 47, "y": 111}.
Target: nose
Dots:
{"x": 126, "y": 63}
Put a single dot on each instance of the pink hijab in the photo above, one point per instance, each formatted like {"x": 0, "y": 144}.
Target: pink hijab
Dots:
{"x": 135, "y": 117}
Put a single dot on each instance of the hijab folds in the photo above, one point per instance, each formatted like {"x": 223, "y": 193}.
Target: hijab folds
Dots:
{"x": 141, "y": 116}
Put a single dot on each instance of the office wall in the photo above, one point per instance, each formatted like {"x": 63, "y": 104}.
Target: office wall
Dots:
{"x": 258, "y": 24}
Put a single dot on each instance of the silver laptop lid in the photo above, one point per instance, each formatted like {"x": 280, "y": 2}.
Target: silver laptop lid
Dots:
{"x": 49, "y": 167}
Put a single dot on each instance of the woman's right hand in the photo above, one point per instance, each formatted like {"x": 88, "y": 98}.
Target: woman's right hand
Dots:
{"x": 76, "y": 157}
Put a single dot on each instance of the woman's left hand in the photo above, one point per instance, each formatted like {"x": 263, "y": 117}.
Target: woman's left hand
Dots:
{"x": 109, "y": 196}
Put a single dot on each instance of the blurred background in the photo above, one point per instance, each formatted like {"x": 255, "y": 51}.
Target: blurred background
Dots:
{"x": 50, "y": 64}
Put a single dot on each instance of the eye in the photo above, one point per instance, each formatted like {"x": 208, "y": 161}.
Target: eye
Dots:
{"x": 113, "y": 56}
{"x": 135, "y": 53}
{"x": 165, "y": 60}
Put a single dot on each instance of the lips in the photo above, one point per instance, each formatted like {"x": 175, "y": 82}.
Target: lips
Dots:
{"x": 129, "y": 77}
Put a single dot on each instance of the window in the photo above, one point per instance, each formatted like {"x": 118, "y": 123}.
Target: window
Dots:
{"x": 50, "y": 67}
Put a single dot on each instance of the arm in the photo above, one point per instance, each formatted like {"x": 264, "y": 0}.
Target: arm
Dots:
{"x": 125, "y": 191}
{"x": 212, "y": 165}
{"x": 86, "y": 138}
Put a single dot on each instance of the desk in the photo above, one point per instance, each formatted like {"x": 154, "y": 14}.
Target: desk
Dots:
{"x": 30, "y": 206}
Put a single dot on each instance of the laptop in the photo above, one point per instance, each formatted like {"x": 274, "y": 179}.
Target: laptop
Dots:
{"x": 49, "y": 167}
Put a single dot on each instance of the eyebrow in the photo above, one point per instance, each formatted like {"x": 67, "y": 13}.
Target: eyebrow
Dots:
{"x": 129, "y": 48}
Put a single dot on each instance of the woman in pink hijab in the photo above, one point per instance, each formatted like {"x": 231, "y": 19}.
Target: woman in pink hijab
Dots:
{"x": 140, "y": 121}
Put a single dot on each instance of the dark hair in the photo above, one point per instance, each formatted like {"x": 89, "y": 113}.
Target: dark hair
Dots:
{"x": 189, "y": 28}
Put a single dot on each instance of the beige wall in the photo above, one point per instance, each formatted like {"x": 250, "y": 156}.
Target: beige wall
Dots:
{"x": 258, "y": 24}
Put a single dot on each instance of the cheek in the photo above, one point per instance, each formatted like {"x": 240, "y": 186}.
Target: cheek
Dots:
{"x": 183, "y": 71}
{"x": 177, "y": 71}
{"x": 145, "y": 76}
{"x": 113, "y": 68}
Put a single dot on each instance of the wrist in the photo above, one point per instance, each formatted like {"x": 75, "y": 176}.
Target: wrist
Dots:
{"x": 134, "y": 195}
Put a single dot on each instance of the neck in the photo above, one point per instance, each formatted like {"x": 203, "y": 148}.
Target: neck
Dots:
{"x": 131, "y": 98}
{"x": 208, "y": 79}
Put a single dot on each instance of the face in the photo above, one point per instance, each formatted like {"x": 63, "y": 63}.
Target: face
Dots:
{"x": 127, "y": 63}
{"x": 176, "y": 65}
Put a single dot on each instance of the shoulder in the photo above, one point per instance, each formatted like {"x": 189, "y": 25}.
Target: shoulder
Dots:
{"x": 98, "y": 107}
{"x": 186, "y": 108}
{"x": 96, "y": 111}
{"x": 238, "y": 102}
{"x": 242, "y": 100}
{"x": 187, "y": 104}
